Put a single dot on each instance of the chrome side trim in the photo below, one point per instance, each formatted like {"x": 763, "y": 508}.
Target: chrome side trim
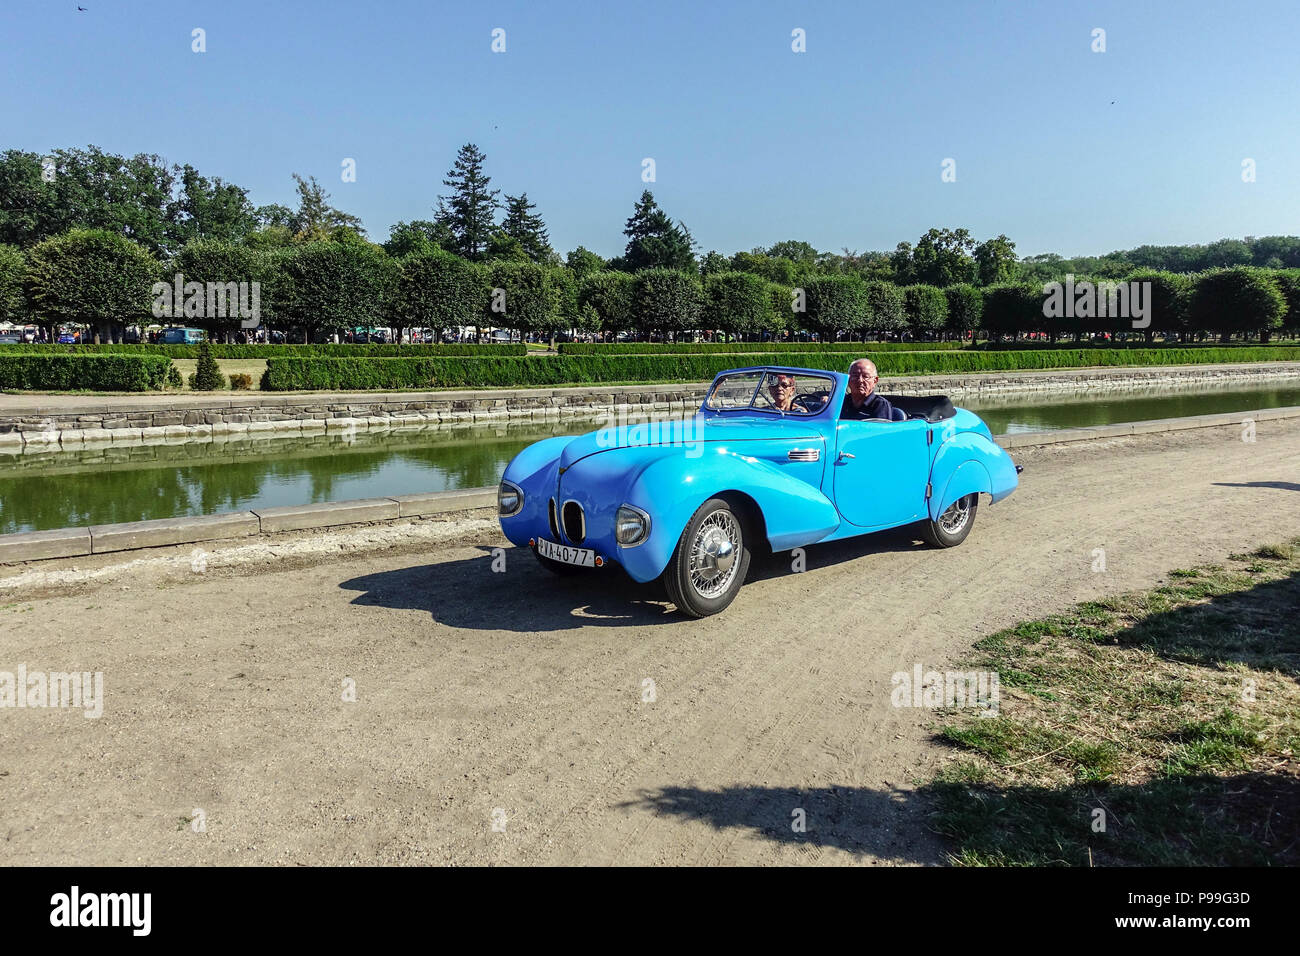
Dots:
{"x": 804, "y": 454}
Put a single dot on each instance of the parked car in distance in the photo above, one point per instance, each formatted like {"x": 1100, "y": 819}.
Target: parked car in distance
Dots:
{"x": 69, "y": 338}
{"x": 687, "y": 502}
{"x": 176, "y": 336}
{"x": 10, "y": 338}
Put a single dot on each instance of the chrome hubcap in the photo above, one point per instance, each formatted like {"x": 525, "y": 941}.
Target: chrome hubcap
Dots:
{"x": 713, "y": 554}
{"x": 955, "y": 518}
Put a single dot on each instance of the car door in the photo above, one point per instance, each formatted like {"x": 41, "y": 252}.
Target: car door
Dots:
{"x": 881, "y": 470}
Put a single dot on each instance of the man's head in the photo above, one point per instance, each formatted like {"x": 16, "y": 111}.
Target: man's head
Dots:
{"x": 862, "y": 380}
{"x": 782, "y": 390}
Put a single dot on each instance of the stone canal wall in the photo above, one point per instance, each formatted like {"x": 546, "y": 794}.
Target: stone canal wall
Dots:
{"x": 73, "y": 421}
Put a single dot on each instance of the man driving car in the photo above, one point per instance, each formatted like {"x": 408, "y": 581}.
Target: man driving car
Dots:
{"x": 861, "y": 402}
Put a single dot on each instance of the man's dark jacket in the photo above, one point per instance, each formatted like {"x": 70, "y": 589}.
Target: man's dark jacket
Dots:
{"x": 875, "y": 406}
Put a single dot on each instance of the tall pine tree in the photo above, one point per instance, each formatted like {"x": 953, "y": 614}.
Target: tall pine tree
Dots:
{"x": 655, "y": 241}
{"x": 470, "y": 210}
{"x": 523, "y": 224}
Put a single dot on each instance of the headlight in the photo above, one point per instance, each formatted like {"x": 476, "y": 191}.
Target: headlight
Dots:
{"x": 631, "y": 526}
{"x": 509, "y": 499}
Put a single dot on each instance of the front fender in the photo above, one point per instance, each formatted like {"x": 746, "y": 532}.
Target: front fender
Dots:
{"x": 969, "y": 463}
{"x": 672, "y": 488}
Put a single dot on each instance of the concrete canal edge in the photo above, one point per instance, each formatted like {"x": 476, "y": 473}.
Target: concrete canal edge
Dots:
{"x": 138, "y": 535}
{"x": 49, "y": 422}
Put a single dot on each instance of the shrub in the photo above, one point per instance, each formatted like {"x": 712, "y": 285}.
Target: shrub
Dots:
{"x": 207, "y": 376}
{"x": 101, "y": 373}
{"x": 241, "y": 381}
{"x": 174, "y": 379}
{"x": 340, "y": 350}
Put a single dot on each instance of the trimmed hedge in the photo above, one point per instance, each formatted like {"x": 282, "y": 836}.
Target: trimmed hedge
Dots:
{"x": 361, "y": 374}
{"x": 99, "y": 373}
{"x": 220, "y": 351}
{"x": 735, "y": 348}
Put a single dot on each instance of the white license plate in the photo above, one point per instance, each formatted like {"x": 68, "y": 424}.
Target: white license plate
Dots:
{"x": 583, "y": 557}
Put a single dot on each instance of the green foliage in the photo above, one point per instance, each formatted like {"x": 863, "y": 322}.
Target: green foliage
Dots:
{"x": 926, "y": 308}
{"x": 609, "y": 295}
{"x": 13, "y": 270}
{"x": 1288, "y": 283}
{"x": 241, "y": 381}
{"x": 336, "y": 285}
{"x": 526, "y": 228}
{"x": 582, "y": 262}
{"x": 100, "y": 373}
{"x": 736, "y": 303}
{"x": 995, "y": 261}
{"x": 667, "y": 300}
{"x": 316, "y": 220}
{"x": 686, "y": 348}
{"x": 965, "y": 308}
{"x": 91, "y": 276}
{"x": 834, "y": 304}
{"x": 1240, "y": 299}
{"x": 942, "y": 257}
{"x": 570, "y": 369}
{"x": 217, "y": 263}
{"x": 438, "y": 290}
{"x": 532, "y": 298}
{"x": 328, "y": 349}
{"x": 885, "y": 309}
{"x": 207, "y": 376}
{"x": 1170, "y": 298}
{"x": 655, "y": 241}
{"x": 469, "y": 212}
{"x": 174, "y": 379}
{"x": 1012, "y": 307}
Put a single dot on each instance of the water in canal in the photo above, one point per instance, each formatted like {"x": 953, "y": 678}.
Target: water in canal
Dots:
{"x": 43, "y": 490}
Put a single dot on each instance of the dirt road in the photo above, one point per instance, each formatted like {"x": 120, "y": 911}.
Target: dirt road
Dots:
{"x": 508, "y": 718}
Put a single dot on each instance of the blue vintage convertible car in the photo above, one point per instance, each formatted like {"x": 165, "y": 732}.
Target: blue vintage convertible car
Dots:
{"x": 766, "y": 462}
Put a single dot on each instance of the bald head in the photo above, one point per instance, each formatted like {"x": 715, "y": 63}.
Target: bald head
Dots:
{"x": 862, "y": 380}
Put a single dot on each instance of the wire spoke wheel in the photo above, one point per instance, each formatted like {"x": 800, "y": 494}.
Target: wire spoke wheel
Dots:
{"x": 713, "y": 554}
{"x": 951, "y": 528}
{"x": 955, "y": 518}
{"x": 710, "y": 561}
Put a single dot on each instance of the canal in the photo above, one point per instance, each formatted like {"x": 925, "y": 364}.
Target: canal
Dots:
{"x": 107, "y": 484}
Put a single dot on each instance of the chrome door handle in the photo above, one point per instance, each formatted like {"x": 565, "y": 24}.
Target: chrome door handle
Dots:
{"x": 845, "y": 454}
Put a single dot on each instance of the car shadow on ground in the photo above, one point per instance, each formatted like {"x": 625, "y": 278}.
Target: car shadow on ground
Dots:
{"x": 886, "y": 824}
{"x": 1282, "y": 485}
{"x": 467, "y": 593}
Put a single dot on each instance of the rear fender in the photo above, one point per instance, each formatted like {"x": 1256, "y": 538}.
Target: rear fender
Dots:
{"x": 969, "y": 463}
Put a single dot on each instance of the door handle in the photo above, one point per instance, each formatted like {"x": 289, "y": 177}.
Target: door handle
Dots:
{"x": 845, "y": 454}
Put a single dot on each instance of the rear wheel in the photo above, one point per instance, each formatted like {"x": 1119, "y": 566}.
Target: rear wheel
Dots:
{"x": 710, "y": 562}
{"x": 953, "y": 525}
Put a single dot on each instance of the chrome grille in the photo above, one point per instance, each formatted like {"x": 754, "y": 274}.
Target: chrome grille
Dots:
{"x": 575, "y": 522}
{"x": 804, "y": 454}
{"x": 550, "y": 515}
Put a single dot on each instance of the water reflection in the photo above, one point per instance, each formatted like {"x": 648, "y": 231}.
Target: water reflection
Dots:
{"x": 42, "y": 490}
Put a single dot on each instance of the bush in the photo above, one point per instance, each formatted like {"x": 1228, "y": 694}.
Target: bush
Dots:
{"x": 174, "y": 379}
{"x": 241, "y": 381}
{"x": 339, "y": 350}
{"x": 423, "y": 373}
{"x": 100, "y": 373}
{"x": 702, "y": 348}
{"x": 207, "y": 377}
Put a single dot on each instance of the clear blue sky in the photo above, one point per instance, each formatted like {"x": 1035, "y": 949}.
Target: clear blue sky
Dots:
{"x": 839, "y": 146}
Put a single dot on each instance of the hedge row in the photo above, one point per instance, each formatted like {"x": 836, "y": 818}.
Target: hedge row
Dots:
{"x": 271, "y": 351}
{"x": 734, "y": 348}
{"x": 99, "y": 373}
{"x": 361, "y": 374}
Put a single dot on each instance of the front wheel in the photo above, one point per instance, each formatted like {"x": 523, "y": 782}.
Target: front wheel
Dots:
{"x": 710, "y": 562}
{"x": 953, "y": 525}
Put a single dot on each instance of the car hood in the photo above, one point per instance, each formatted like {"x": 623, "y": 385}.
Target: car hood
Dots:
{"x": 687, "y": 432}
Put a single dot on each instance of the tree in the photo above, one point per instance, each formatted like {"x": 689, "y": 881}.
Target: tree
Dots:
{"x": 1168, "y": 301}
{"x": 995, "y": 261}
{"x": 1288, "y": 283}
{"x": 92, "y": 277}
{"x": 438, "y": 290}
{"x": 418, "y": 237}
{"x": 209, "y": 209}
{"x": 666, "y": 300}
{"x": 13, "y": 270}
{"x": 207, "y": 374}
{"x": 525, "y": 226}
{"x": 1011, "y": 308}
{"x": 469, "y": 213}
{"x": 524, "y": 296}
{"x": 316, "y": 220}
{"x": 654, "y": 240}
{"x": 736, "y": 302}
{"x": 1241, "y": 299}
{"x": 942, "y": 257}
{"x": 965, "y": 306}
{"x": 885, "y": 311}
{"x": 783, "y": 271}
{"x": 712, "y": 263}
{"x": 336, "y": 285}
{"x": 834, "y": 304}
{"x": 926, "y": 308}
{"x": 218, "y": 263}
{"x": 797, "y": 251}
{"x": 582, "y": 262}
{"x": 609, "y": 295}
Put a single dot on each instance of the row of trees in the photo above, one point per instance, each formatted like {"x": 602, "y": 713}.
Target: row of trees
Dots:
{"x": 163, "y": 207}
{"x": 105, "y": 281}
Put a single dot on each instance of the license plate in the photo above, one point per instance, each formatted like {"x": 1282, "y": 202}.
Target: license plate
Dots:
{"x": 583, "y": 557}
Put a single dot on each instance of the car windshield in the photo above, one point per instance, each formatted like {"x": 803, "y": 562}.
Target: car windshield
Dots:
{"x": 787, "y": 393}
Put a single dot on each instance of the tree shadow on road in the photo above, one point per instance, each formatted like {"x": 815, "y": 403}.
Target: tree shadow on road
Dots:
{"x": 886, "y": 824}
